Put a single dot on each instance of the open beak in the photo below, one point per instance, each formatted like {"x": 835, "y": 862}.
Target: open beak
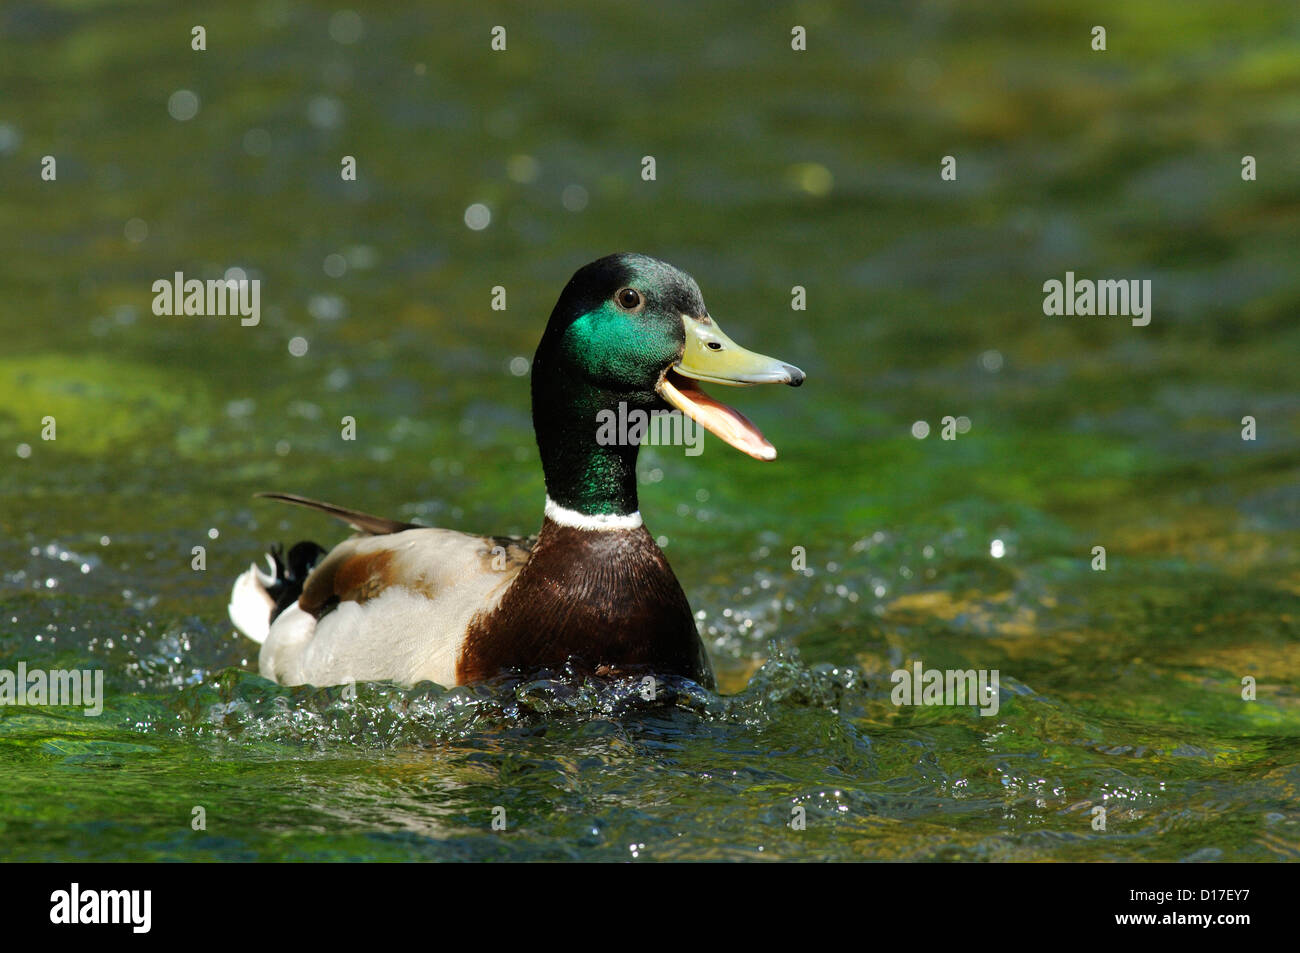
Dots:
{"x": 712, "y": 356}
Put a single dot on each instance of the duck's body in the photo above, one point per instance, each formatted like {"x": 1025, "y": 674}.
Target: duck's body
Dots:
{"x": 592, "y": 589}
{"x": 436, "y": 605}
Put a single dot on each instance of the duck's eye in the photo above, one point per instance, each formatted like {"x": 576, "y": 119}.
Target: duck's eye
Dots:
{"x": 628, "y": 299}
{"x": 713, "y": 346}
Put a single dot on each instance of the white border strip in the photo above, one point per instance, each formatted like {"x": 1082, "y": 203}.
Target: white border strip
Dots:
{"x": 596, "y": 521}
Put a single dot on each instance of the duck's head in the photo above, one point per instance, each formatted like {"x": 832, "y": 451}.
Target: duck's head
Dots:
{"x": 632, "y": 330}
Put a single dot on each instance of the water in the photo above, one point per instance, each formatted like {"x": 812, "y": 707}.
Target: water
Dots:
{"x": 1119, "y": 689}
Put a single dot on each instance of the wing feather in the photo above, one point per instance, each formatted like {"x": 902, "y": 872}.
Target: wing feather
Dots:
{"x": 361, "y": 522}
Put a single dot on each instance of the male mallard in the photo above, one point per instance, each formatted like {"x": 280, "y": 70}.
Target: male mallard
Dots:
{"x": 406, "y": 603}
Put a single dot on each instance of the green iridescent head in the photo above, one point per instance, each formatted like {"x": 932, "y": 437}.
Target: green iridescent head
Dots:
{"x": 631, "y": 332}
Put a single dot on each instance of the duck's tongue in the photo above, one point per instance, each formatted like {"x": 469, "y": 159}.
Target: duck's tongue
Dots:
{"x": 715, "y": 417}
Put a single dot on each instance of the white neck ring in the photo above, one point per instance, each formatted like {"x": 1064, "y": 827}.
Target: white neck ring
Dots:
{"x": 564, "y": 516}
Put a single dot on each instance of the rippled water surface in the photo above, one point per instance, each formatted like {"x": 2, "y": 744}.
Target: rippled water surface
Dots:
{"x": 1120, "y": 689}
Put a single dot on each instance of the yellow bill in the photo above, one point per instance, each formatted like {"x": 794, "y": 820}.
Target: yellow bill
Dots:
{"x": 711, "y": 356}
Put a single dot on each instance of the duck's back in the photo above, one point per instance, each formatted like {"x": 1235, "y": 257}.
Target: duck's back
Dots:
{"x": 390, "y": 607}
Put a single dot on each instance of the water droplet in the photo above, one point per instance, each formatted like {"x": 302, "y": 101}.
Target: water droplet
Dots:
{"x": 325, "y": 112}
{"x": 478, "y": 217}
{"x": 346, "y": 27}
{"x": 574, "y": 198}
{"x": 183, "y": 105}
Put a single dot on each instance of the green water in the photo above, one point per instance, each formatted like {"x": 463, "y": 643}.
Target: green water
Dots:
{"x": 1120, "y": 689}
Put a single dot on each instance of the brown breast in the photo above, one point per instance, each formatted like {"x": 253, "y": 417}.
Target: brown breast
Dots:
{"x": 602, "y": 599}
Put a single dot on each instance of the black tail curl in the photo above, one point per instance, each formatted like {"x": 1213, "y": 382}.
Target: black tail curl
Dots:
{"x": 291, "y": 574}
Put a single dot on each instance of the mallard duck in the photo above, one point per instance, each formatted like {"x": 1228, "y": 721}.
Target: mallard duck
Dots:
{"x": 592, "y": 590}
